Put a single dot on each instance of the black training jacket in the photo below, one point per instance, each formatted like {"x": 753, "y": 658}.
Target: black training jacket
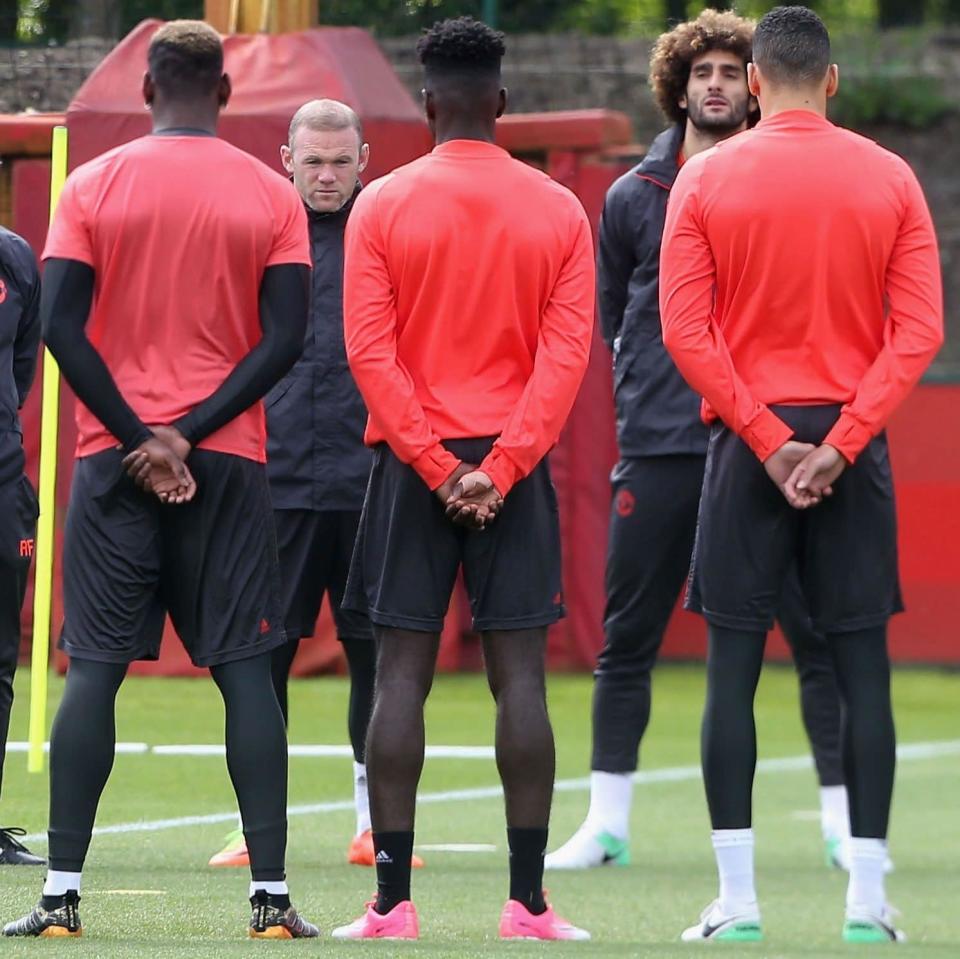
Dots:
{"x": 316, "y": 459}
{"x": 19, "y": 339}
{"x": 657, "y": 413}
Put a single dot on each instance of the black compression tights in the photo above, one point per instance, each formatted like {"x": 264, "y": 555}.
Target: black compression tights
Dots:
{"x": 728, "y": 734}
{"x": 362, "y": 663}
{"x": 869, "y": 737}
{"x": 257, "y": 760}
{"x": 82, "y": 744}
{"x": 82, "y": 750}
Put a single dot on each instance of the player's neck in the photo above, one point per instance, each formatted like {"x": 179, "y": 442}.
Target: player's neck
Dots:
{"x": 696, "y": 140}
{"x": 786, "y": 100}
{"x": 463, "y": 129}
{"x": 184, "y": 117}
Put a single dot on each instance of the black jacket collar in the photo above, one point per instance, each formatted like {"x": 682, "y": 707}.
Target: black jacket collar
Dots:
{"x": 660, "y": 163}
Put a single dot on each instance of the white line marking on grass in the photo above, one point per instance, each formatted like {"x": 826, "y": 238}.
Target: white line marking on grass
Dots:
{"x": 131, "y": 892}
{"x": 456, "y": 847}
{"x": 346, "y": 752}
{"x": 909, "y": 751}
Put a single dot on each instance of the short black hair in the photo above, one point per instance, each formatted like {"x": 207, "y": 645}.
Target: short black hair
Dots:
{"x": 185, "y": 59}
{"x": 462, "y": 45}
{"x": 791, "y": 45}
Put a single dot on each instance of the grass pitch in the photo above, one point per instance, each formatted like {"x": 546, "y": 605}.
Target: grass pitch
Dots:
{"x": 150, "y": 893}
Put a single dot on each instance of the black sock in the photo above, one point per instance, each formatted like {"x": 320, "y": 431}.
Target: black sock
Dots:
{"x": 393, "y": 852}
{"x": 52, "y": 902}
{"x": 277, "y": 900}
{"x": 527, "y": 847}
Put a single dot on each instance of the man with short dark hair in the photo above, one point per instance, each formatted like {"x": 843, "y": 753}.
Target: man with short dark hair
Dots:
{"x": 468, "y": 312}
{"x": 803, "y": 307}
{"x": 19, "y": 336}
{"x": 698, "y": 73}
{"x": 175, "y": 296}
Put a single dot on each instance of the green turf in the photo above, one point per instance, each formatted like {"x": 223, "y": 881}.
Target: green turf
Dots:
{"x": 633, "y": 911}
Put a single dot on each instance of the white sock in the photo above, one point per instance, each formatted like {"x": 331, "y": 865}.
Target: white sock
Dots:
{"x": 865, "y": 892}
{"x": 271, "y": 888}
{"x": 361, "y": 797}
{"x": 834, "y": 813}
{"x": 610, "y": 798}
{"x": 734, "y": 851}
{"x": 59, "y": 883}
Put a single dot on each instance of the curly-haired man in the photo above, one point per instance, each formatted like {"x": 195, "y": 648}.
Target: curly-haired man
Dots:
{"x": 698, "y": 72}
{"x": 468, "y": 312}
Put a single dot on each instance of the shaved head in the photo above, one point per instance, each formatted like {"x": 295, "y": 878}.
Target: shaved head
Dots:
{"x": 320, "y": 115}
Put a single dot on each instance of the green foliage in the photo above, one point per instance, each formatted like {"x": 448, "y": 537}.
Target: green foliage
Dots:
{"x": 901, "y": 99}
{"x": 55, "y": 20}
{"x": 133, "y": 11}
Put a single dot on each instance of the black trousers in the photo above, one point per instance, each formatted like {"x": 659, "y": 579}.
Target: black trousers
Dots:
{"x": 18, "y": 521}
{"x": 652, "y": 527}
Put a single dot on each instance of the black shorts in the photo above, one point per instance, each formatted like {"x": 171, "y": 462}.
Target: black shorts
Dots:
{"x": 748, "y": 535}
{"x": 315, "y": 549}
{"x": 211, "y": 563}
{"x": 407, "y": 554}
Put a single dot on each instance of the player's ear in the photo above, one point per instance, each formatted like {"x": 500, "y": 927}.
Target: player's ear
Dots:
{"x": 224, "y": 90}
{"x": 286, "y": 158}
{"x": 502, "y": 104}
{"x": 364, "y": 157}
{"x": 148, "y": 90}
{"x": 753, "y": 79}
{"x": 833, "y": 80}
{"x": 429, "y": 107}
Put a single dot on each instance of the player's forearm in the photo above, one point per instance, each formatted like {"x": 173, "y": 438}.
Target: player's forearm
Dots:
{"x": 64, "y": 308}
{"x": 396, "y": 412}
{"x": 914, "y": 294}
{"x": 705, "y": 364}
{"x": 534, "y": 427}
{"x": 283, "y": 314}
{"x": 885, "y": 386}
{"x": 25, "y": 352}
{"x": 613, "y": 278}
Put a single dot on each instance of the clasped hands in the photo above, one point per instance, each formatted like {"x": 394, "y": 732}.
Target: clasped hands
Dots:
{"x": 158, "y": 465}
{"x": 469, "y": 497}
{"x": 805, "y": 473}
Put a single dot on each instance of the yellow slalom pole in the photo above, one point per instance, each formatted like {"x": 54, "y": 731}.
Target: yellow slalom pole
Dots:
{"x": 46, "y": 529}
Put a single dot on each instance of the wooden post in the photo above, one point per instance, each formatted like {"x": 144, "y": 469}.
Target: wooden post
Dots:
{"x": 261, "y": 16}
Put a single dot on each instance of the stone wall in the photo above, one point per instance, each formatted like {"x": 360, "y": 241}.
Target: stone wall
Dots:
{"x": 46, "y": 78}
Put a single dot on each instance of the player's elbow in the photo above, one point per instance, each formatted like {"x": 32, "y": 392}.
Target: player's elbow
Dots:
{"x": 672, "y": 337}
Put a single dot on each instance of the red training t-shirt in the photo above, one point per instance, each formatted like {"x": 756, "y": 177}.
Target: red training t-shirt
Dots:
{"x": 468, "y": 308}
{"x": 179, "y": 231}
{"x": 799, "y": 266}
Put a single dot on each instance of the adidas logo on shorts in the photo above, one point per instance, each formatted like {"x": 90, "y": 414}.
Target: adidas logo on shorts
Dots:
{"x": 384, "y": 857}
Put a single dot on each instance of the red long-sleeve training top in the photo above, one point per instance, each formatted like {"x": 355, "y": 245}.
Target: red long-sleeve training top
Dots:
{"x": 799, "y": 266}
{"x": 468, "y": 308}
